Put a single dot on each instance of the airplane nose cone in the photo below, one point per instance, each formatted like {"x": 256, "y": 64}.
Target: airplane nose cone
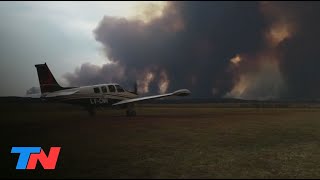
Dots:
{"x": 182, "y": 92}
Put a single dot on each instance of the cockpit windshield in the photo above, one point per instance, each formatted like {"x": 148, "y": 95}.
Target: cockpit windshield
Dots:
{"x": 119, "y": 88}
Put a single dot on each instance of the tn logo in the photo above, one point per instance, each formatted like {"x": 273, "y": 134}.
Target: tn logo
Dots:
{"x": 29, "y": 157}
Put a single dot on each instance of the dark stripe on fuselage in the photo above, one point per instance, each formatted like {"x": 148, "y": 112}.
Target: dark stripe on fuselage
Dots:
{"x": 98, "y": 96}
{"x": 87, "y": 99}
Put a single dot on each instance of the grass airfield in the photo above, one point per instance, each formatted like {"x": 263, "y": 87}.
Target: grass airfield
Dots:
{"x": 166, "y": 141}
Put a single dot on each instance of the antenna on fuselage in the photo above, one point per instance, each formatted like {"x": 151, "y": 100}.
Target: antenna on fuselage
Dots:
{"x": 135, "y": 88}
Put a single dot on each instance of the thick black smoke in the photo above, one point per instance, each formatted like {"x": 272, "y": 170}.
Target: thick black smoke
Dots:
{"x": 192, "y": 43}
{"x": 300, "y": 63}
{"x": 89, "y": 74}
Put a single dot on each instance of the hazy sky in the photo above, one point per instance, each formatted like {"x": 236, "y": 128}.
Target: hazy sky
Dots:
{"x": 59, "y": 33}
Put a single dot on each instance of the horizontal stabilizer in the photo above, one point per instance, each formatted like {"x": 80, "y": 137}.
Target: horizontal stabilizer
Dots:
{"x": 61, "y": 93}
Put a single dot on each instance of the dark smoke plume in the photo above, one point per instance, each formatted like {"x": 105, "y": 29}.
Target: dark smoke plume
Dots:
{"x": 300, "y": 63}
{"x": 195, "y": 45}
{"x": 191, "y": 43}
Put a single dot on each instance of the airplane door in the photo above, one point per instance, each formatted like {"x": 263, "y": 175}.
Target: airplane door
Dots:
{"x": 97, "y": 98}
{"x": 113, "y": 93}
{"x": 104, "y": 95}
{"x": 104, "y": 91}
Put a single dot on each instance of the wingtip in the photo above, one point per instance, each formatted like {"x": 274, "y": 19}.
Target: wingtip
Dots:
{"x": 182, "y": 92}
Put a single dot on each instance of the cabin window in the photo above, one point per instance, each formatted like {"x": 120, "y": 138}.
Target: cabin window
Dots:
{"x": 119, "y": 88}
{"x": 112, "y": 88}
{"x": 104, "y": 89}
{"x": 96, "y": 90}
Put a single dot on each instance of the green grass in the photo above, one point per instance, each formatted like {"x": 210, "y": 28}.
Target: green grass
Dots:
{"x": 171, "y": 141}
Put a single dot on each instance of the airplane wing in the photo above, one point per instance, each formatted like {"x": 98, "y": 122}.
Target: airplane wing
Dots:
{"x": 61, "y": 93}
{"x": 181, "y": 92}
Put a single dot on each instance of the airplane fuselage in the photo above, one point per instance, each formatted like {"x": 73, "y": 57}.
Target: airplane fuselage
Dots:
{"x": 101, "y": 95}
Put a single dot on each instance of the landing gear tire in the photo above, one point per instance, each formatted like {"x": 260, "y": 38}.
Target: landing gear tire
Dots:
{"x": 91, "y": 112}
{"x": 131, "y": 113}
{"x": 131, "y": 110}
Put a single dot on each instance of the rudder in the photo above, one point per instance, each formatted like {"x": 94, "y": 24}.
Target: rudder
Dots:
{"x": 47, "y": 81}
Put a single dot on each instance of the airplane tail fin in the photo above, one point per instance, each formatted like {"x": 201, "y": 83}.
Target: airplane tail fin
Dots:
{"x": 47, "y": 82}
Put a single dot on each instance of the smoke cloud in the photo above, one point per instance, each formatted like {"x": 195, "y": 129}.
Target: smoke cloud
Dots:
{"x": 251, "y": 50}
{"x": 300, "y": 53}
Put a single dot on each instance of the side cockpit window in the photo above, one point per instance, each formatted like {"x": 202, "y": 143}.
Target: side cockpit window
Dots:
{"x": 96, "y": 90}
{"x": 119, "y": 88}
{"x": 112, "y": 88}
{"x": 104, "y": 89}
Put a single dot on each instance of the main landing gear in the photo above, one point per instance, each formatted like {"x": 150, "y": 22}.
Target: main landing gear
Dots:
{"x": 91, "y": 111}
{"x": 131, "y": 111}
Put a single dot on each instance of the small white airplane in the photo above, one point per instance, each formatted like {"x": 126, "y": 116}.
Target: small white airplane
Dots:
{"x": 91, "y": 97}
